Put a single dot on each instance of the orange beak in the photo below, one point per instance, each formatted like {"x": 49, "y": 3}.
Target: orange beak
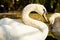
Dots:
{"x": 44, "y": 16}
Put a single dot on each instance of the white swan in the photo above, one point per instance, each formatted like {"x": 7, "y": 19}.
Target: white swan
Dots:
{"x": 55, "y": 24}
{"x": 31, "y": 30}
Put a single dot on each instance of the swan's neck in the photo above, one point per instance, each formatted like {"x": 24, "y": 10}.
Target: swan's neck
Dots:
{"x": 37, "y": 24}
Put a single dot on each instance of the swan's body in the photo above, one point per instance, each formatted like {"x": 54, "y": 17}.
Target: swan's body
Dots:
{"x": 55, "y": 24}
{"x": 19, "y": 32}
{"x": 31, "y": 30}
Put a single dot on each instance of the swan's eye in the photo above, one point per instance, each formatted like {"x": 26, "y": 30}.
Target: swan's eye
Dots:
{"x": 44, "y": 10}
{"x": 50, "y": 27}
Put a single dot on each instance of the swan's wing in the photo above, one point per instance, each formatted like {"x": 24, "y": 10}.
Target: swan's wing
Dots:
{"x": 15, "y": 29}
{"x": 5, "y": 21}
{"x": 22, "y": 32}
{"x": 20, "y": 21}
{"x": 30, "y": 33}
{"x": 27, "y": 32}
{"x": 9, "y": 21}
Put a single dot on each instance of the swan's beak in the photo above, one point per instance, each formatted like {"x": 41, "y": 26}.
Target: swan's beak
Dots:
{"x": 44, "y": 16}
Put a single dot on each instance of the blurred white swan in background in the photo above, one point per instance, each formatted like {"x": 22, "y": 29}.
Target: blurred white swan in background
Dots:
{"x": 55, "y": 24}
{"x": 31, "y": 29}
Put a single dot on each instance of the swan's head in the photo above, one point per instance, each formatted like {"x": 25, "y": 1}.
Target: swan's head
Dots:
{"x": 44, "y": 14}
{"x": 42, "y": 11}
{"x": 55, "y": 28}
{"x": 53, "y": 17}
